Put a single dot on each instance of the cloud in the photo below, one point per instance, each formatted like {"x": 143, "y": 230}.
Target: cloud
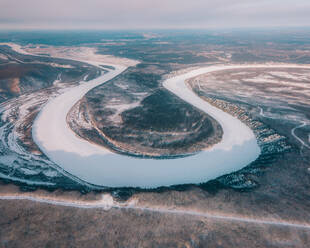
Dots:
{"x": 152, "y": 14}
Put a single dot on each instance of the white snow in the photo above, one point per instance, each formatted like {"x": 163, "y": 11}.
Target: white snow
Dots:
{"x": 120, "y": 108}
{"x": 295, "y": 76}
{"x": 284, "y": 83}
{"x": 61, "y": 66}
{"x": 17, "y": 48}
{"x": 4, "y": 57}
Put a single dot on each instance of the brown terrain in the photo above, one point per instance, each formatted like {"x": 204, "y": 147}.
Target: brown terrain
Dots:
{"x": 30, "y": 224}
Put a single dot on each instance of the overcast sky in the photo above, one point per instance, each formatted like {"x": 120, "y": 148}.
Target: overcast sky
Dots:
{"x": 124, "y": 14}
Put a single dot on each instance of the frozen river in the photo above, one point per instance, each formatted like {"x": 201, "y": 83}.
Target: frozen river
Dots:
{"x": 99, "y": 166}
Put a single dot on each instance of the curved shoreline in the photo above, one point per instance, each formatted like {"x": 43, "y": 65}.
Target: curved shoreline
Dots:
{"x": 99, "y": 166}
